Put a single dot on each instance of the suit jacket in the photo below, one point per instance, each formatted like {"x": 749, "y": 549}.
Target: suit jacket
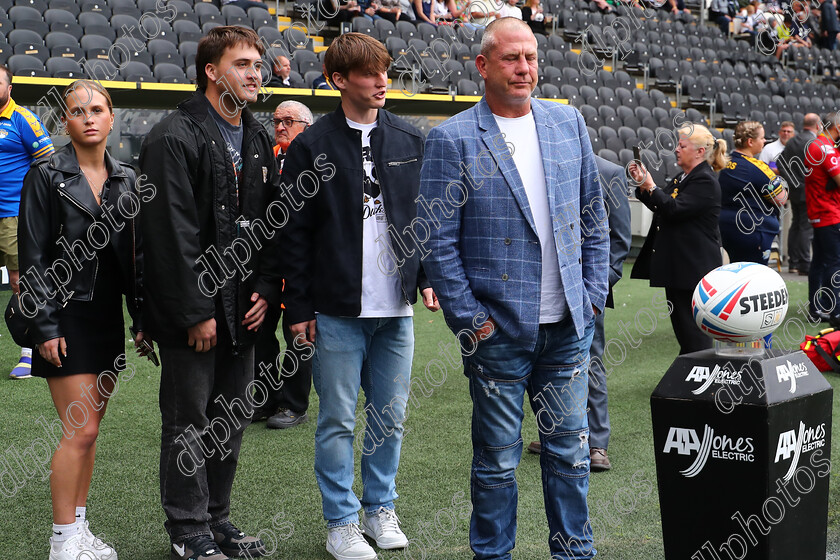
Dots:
{"x": 484, "y": 256}
{"x": 683, "y": 243}
{"x": 791, "y": 164}
{"x": 614, "y": 185}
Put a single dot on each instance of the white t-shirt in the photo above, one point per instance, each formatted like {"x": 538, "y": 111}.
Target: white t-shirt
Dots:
{"x": 510, "y": 11}
{"x": 481, "y": 7}
{"x": 770, "y": 152}
{"x": 381, "y": 293}
{"x": 522, "y": 133}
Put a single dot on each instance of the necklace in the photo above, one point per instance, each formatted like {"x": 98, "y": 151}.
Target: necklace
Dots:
{"x": 91, "y": 183}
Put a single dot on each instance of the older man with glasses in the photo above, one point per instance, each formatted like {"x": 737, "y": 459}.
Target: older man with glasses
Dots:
{"x": 288, "y": 384}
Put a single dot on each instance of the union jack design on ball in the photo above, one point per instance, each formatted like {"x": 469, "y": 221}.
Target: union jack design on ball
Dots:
{"x": 722, "y": 310}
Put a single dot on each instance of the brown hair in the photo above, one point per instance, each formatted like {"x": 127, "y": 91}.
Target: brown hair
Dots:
{"x": 88, "y": 86}
{"x": 212, "y": 46}
{"x": 746, "y": 130}
{"x": 355, "y": 51}
{"x": 788, "y": 124}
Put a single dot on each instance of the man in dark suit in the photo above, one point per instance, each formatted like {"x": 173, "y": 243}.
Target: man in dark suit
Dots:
{"x": 614, "y": 184}
{"x": 791, "y": 166}
{"x": 281, "y": 71}
{"x": 518, "y": 255}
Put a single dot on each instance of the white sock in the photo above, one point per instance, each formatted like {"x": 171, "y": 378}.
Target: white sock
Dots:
{"x": 26, "y": 352}
{"x": 61, "y": 533}
{"x": 80, "y": 514}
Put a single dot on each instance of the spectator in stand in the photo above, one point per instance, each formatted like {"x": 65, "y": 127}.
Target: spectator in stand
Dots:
{"x": 829, "y": 26}
{"x": 482, "y": 12}
{"x": 535, "y": 17}
{"x": 22, "y": 141}
{"x": 281, "y": 71}
{"x": 441, "y": 11}
{"x": 285, "y": 406}
{"x": 369, "y": 9}
{"x": 675, "y": 6}
{"x": 392, "y": 11}
{"x": 337, "y": 12}
{"x": 245, "y": 4}
{"x": 604, "y": 6}
{"x": 322, "y": 82}
{"x": 791, "y": 166}
{"x": 772, "y": 150}
{"x": 751, "y": 198}
{"x": 798, "y": 32}
{"x": 407, "y": 9}
{"x": 822, "y": 192}
{"x": 510, "y": 9}
{"x": 719, "y": 14}
{"x": 424, "y": 10}
{"x": 686, "y": 211}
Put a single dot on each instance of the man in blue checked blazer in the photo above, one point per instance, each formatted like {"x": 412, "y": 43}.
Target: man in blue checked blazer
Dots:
{"x": 518, "y": 255}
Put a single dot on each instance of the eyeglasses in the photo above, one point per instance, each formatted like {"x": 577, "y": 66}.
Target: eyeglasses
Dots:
{"x": 288, "y": 122}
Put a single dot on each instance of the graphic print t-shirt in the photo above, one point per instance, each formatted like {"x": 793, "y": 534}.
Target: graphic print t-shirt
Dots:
{"x": 233, "y": 140}
{"x": 381, "y": 293}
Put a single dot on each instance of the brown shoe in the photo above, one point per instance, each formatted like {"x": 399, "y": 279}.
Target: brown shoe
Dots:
{"x": 598, "y": 460}
{"x": 535, "y": 447}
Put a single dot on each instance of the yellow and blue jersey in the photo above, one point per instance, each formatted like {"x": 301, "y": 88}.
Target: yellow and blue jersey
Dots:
{"x": 22, "y": 140}
{"x": 742, "y": 183}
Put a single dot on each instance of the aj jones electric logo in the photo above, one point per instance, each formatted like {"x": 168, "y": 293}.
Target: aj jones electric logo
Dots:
{"x": 793, "y": 443}
{"x": 685, "y": 442}
{"x": 722, "y": 375}
{"x": 790, "y": 372}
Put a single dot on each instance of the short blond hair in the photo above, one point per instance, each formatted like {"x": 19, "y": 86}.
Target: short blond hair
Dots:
{"x": 700, "y": 137}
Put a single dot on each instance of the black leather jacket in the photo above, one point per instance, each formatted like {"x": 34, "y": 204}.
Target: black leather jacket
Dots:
{"x": 197, "y": 220}
{"x": 59, "y": 229}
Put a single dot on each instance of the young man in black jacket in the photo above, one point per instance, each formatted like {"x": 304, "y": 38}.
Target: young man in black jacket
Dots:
{"x": 206, "y": 282}
{"x": 348, "y": 275}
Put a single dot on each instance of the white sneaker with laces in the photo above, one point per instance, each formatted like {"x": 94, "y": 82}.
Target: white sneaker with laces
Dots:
{"x": 346, "y": 542}
{"x": 384, "y": 527}
{"x": 74, "y": 548}
{"x": 103, "y": 550}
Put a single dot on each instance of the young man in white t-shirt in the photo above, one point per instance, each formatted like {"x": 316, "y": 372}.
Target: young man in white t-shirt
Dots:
{"x": 350, "y": 286}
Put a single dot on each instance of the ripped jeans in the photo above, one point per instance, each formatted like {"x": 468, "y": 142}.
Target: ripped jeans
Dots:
{"x": 555, "y": 376}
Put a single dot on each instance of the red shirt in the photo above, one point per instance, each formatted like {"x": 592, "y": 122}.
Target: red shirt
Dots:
{"x": 823, "y": 161}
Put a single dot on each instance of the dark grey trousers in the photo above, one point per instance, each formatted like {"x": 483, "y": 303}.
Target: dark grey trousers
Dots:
{"x": 598, "y": 415}
{"x": 205, "y": 405}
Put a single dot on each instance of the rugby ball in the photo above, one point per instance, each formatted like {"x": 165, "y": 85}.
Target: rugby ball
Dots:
{"x": 740, "y": 302}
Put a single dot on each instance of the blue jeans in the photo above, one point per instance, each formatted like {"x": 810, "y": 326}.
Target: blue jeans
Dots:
{"x": 555, "y": 377}
{"x": 374, "y": 354}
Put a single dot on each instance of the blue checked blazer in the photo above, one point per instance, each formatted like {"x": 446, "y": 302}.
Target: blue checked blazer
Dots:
{"x": 483, "y": 255}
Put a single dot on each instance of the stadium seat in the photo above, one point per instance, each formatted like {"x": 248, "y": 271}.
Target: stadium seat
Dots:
{"x": 185, "y": 26}
{"x": 468, "y": 87}
{"x": 58, "y": 39}
{"x": 134, "y": 71}
{"x": 609, "y": 155}
{"x": 64, "y": 68}
{"x": 25, "y": 65}
{"x": 65, "y": 5}
{"x": 76, "y": 53}
{"x": 407, "y": 30}
{"x": 95, "y": 42}
{"x": 310, "y": 77}
{"x": 258, "y": 17}
{"x": 188, "y": 50}
{"x": 206, "y": 8}
{"x": 97, "y": 7}
{"x": 170, "y": 73}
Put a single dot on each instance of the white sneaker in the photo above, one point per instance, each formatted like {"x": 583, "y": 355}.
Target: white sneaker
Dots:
{"x": 102, "y": 550}
{"x": 384, "y": 527}
{"x": 74, "y": 548}
{"x": 347, "y": 543}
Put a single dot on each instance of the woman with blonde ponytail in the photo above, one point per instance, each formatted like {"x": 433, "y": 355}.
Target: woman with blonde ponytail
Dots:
{"x": 683, "y": 243}
{"x": 751, "y": 198}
